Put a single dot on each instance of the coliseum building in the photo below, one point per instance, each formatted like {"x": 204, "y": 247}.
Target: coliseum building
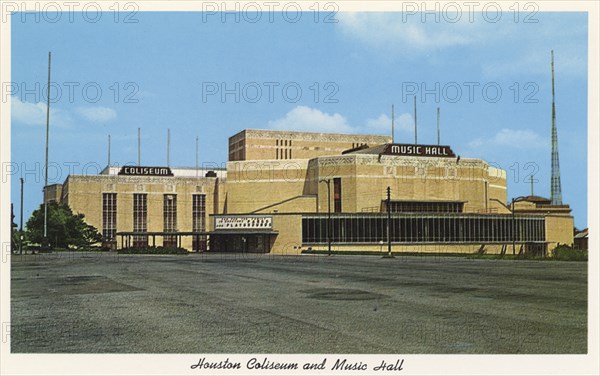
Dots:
{"x": 288, "y": 192}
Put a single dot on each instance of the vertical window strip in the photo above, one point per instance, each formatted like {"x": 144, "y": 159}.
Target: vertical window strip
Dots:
{"x": 140, "y": 219}
{"x": 170, "y": 219}
{"x": 109, "y": 217}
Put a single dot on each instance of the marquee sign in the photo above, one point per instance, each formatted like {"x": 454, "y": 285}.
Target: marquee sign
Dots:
{"x": 145, "y": 171}
{"x": 419, "y": 150}
{"x": 252, "y": 222}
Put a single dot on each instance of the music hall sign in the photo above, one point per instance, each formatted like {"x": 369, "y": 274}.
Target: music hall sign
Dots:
{"x": 419, "y": 150}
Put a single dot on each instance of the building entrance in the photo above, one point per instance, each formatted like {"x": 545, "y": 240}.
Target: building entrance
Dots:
{"x": 241, "y": 243}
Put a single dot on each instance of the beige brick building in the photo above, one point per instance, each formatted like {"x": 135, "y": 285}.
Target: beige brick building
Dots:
{"x": 257, "y": 144}
{"x": 288, "y": 192}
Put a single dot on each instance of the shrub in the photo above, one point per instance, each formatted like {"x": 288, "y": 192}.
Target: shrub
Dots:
{"x": 566, "y": 253}
{"x": 154, "y": 251}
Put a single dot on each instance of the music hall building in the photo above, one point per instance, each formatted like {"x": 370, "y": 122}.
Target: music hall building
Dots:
{"x": 289, "y": 192}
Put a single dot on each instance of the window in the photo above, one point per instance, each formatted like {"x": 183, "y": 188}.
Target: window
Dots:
{"x": 337, "y": 195}
{"x": 424, "y": 206}
{"x": 199, "y": 221}
{"x": 283, "y": 149}
{"x": 433, "y": 228}
{"x": 170, "y": 219}
{"x": 140, "y": 219}
{"x": 109, "y": 219}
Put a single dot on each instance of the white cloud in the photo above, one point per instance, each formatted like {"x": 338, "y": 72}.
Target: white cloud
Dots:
{"x": 383, "y": 124}
{"x": 502, "y": 48}
{"x": 97, "y": 114}
{"x": 537, "y": 62}
{"x": 306, "y": 119}
{"x": 511, "y": 138}
{"x": 28, "y": 113}
{"x": 389, "y": 30}
{"x": 35, "y": 113}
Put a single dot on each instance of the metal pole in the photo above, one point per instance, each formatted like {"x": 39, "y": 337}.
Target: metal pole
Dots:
{"x": 169, "y": 147}
{"x": 513, "y": 225}
{"x": 109, "y": 151}
{"x": 328, "y": 217}
{"x": 531, "y": 181}
{"x": 438, "y": 124}
{"x": 415, "y": 109}
{"x": 139, "y": 146}
{"x": 196, "y": 156}
{"x": 392, "y": 124}
{"x": 389, "y": 220}
{"x": 21, "y": 221}
{"x": 46, "y": 166}
{"x": 12, "y": 228}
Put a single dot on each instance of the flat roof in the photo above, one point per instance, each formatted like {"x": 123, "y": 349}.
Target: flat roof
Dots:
{"x": 253, "y": 130}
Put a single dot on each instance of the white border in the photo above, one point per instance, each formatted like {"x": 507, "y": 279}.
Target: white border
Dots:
{"x": 139, "y": 364}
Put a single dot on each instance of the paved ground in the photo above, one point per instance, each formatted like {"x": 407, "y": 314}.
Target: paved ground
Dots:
{"x": 200, "y": 303}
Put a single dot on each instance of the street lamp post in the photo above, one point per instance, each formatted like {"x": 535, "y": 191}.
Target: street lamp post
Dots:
{"x": 514, "y": 228}
{"x": 389, "y": 220}
{"x": 21, "y": 221}
{"x": 328, "y": 181}
{"x": 46, "y": 241}
{"x": 513, "y": 220}
{"x": 514, "y": 235}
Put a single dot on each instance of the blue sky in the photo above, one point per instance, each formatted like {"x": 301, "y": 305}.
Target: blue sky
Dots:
{"x": 169, "y": 70}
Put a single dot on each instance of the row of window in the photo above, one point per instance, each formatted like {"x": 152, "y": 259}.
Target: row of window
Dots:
{"x": 283, "y": 153}
{"x": 424, "y": 206}
{"x": 283, "y": 149}
{"x": 140, "y": 216}
{"x": 237, "y": 150}
{"x": 457, "y": 228}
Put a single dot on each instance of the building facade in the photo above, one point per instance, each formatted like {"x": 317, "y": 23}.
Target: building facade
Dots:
{"x": 291, "y": 192}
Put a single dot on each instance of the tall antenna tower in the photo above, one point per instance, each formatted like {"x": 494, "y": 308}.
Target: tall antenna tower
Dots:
{"x": 415, "y": 109}
{"x": 555, "y": 190}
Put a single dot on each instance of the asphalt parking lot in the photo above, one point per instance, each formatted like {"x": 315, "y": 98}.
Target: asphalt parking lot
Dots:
{"x": 231, "y": 303}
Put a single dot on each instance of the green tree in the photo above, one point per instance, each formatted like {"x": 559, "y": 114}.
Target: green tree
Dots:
{"x": 64, "y": 227}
